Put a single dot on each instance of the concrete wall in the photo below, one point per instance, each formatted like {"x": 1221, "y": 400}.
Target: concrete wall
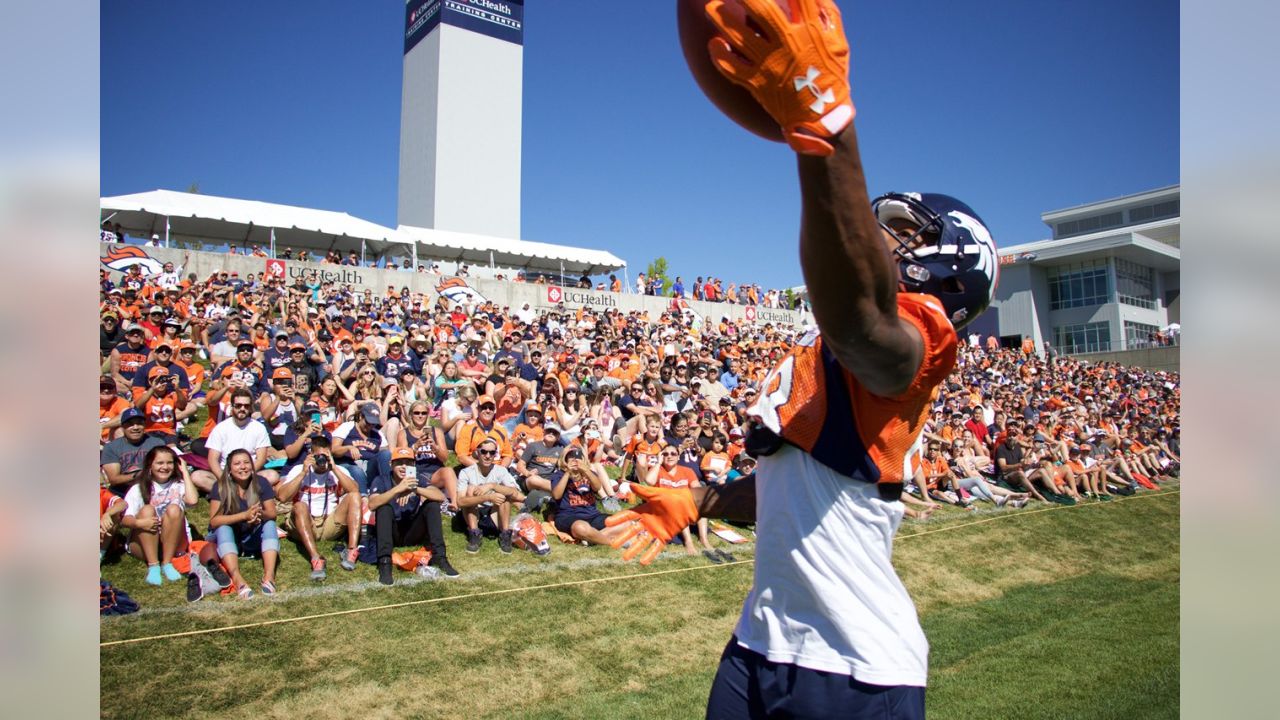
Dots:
{"x": 377, "y": 280}
{"x": 1166, "y": 358}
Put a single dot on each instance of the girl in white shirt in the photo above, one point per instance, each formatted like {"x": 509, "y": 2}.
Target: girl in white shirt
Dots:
{"x": 155, "y": 512}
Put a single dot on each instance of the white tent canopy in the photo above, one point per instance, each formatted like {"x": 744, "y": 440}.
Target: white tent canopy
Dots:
{"x": 524, "y": 254}
{"x": 216, "y": 220}
{"x": 207, "y": 218}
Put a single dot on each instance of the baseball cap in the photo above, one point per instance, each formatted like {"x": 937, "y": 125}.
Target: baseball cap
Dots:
{"x": 131, "y": 414}
{"x": 157, "y": 371}
{"x": 162, "y": 344}
{"x": 110, "y": 314}
{"x": 282, "y": 373}
{"x": 402, "y": 453}
{"x": 534, "y": 408}
{"x": 282, "y": 336}
{"x": 485, "y": 399}
{"x": 245, "y": 345}
{"x": 296, "y": 346}
{"x": 134, "y": 329}
{"x": 395, "y": 340}
{"x": 552, "y": 427}
{"x": 369, "y": 412}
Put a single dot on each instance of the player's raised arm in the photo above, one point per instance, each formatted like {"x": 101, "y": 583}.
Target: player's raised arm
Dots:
{"x": 850, "y": 274}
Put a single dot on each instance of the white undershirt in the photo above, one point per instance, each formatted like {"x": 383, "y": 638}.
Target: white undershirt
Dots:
{"x": 826, "y": 596}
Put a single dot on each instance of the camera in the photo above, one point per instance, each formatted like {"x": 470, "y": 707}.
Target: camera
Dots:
{"x": 321, "y": 463}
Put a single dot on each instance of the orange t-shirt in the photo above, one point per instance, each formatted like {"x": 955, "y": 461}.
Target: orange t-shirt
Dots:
{"x": 108, "y": 412}
{"x": 646, "y": 453}
{"x": 678, "y": 477}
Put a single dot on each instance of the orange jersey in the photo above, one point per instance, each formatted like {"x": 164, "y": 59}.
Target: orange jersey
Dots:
{"x": 160, "y": 414}
{"x": 107, "y": 412}
{"x": 812, "y": 402}
{"x": 678, "y": 477}
{"x": 106, "y": 499}
{"x": 646, "y": 453}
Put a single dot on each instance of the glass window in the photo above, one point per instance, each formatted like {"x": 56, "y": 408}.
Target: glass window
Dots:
{"x": 1135, "y": 284}
{"x": 1078, "y": 285}
{"x": 1083, "y": 338}
{"x": 1139, "y": 335}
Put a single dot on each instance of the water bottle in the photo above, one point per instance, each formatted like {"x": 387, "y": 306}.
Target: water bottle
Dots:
{"x": 429, "y": 572}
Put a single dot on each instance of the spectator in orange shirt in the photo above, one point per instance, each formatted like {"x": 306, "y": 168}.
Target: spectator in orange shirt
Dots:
{"x": 110, "y": 406}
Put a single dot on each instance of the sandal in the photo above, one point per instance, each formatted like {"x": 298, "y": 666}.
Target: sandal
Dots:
{"x": 268, "y": 588}
{"x": 245, "y": 592}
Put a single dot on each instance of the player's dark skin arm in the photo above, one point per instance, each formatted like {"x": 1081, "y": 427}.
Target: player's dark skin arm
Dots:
{"x": 735, "y": 501}
{"x": 850, "y": 274}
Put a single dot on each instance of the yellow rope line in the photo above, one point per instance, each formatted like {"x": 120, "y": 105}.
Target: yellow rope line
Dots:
{"x": 567, "y": 583}
{"x": 1024, "y": 513}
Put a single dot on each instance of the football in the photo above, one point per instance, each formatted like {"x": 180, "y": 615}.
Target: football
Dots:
{"x": 696, "y": 30}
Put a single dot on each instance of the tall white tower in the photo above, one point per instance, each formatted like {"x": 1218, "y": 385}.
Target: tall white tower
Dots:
{"x": 460, "y": 116}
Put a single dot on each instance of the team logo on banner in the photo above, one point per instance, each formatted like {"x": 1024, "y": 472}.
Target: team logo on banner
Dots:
{"x": 554, "y": 294}
{"x": 457, "y": 290}
{"x": 750, "y": 313}
{"x": 275, "y": 268}
{"x": 121, "y": 257}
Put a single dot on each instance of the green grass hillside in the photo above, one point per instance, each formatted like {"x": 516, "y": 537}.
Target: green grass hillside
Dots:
{"x": 1065, "y": 613}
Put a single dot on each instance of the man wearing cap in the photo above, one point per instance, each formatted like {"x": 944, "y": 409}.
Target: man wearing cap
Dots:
{"x": 163, "y": 353}
{"x": 407, "y": 513}
{"x": 302, "y": 363}
{"x": 121, "y": 459}
{"x": 160, "y": 401}
{"x": 276, "y": 356}
{"x": 324, "y": 506}
{"x": 128, "y": 357}
{"x": 247, "y": 372}
{"x": 395, "y": 362}
{"x": 170, "y": 277}
{"x": 277, "y": 407}
{"x": 360, "y": 447}
{"x": 110, "y": 332}
{"x": 484, "y": 426}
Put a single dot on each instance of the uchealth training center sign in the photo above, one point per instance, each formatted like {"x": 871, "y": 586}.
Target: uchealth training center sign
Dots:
{"x": 575, "y": 297}
{"x": 498, "y": 19}
{"x": 116, "y": 258}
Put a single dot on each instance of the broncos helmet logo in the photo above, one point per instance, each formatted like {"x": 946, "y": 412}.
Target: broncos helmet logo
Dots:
{"x": 988, "y": 263}
{"x": 458, "y": 291}
{"x": 121, "y": 257}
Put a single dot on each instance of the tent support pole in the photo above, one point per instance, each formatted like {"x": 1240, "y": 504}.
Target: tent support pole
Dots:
{"x": 273, "y": 243}
{"x": 362, "y": 248}
{"x": 166, "y": 231}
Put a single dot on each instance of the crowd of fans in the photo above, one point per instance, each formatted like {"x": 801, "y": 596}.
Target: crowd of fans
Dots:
{"x": 319, "y": 414}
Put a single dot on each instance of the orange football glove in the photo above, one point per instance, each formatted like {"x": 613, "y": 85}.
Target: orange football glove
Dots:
{"x": 664, "y": 512}
{"x": 796, "y": 68}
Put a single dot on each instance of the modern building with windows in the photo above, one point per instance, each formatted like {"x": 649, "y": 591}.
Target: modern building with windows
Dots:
{"x": 1107, "y": 280}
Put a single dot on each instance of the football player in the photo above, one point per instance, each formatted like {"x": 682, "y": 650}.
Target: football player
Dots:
{"x": 828, "y": 629}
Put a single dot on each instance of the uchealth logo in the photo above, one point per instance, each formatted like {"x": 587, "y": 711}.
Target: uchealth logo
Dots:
{"x": 458, "y": 291}
{"x": 122, "y": 257}
{"x": 275, "y": 268}
{"x": 750, "y": 313}
{"x": 554, "y": 295}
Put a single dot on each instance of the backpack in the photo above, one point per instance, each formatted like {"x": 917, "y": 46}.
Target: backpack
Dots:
{"x": 112, "y": 601}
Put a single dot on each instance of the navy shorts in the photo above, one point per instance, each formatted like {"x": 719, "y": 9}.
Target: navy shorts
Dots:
{"x": 565, "y": 520}
{"x": 748, "y": 685}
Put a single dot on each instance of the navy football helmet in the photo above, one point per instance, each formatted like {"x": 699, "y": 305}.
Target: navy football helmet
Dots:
{"x": 951, "y": 256}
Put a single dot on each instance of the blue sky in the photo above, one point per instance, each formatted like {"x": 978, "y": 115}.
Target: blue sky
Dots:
{"x": 1015, "y": 107}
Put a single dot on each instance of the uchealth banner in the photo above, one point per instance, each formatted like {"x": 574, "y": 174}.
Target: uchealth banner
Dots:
{"x": 116, "y": 258}
{"x": 498, "y": 19}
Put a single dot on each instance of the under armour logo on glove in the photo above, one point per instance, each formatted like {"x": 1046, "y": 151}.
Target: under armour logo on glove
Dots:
{"x": 824, "y": 98}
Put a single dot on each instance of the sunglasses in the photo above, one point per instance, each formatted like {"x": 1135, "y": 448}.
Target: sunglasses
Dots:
{"x": 670, "y": 454}
{"x": 419, "y": 413}
{"x": 486, "y": 453}
{"x": 241, "y": 406}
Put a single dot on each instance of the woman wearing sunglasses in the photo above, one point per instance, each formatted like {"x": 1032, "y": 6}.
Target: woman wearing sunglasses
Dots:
{"x": 430, "y": 451}
{"x": 669, "y": 473}
{"x": 575, "y": 494}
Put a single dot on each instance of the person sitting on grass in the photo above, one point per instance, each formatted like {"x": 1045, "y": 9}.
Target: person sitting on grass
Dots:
{"x": 575, "y": 493}
{"x": 669, "y": 473}
{"x": 968, "y": 471}
{"x": 110, "y": 508}
{"x": 156, "y": 513}
{"x": 326, "y": 502}
{"x": 407, "y": 514}
{"x": 485, "y": 489}
{"x": 242, "y": 520}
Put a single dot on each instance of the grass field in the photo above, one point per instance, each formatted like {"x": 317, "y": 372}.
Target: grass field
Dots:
{"x": 1064, "y": 613}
